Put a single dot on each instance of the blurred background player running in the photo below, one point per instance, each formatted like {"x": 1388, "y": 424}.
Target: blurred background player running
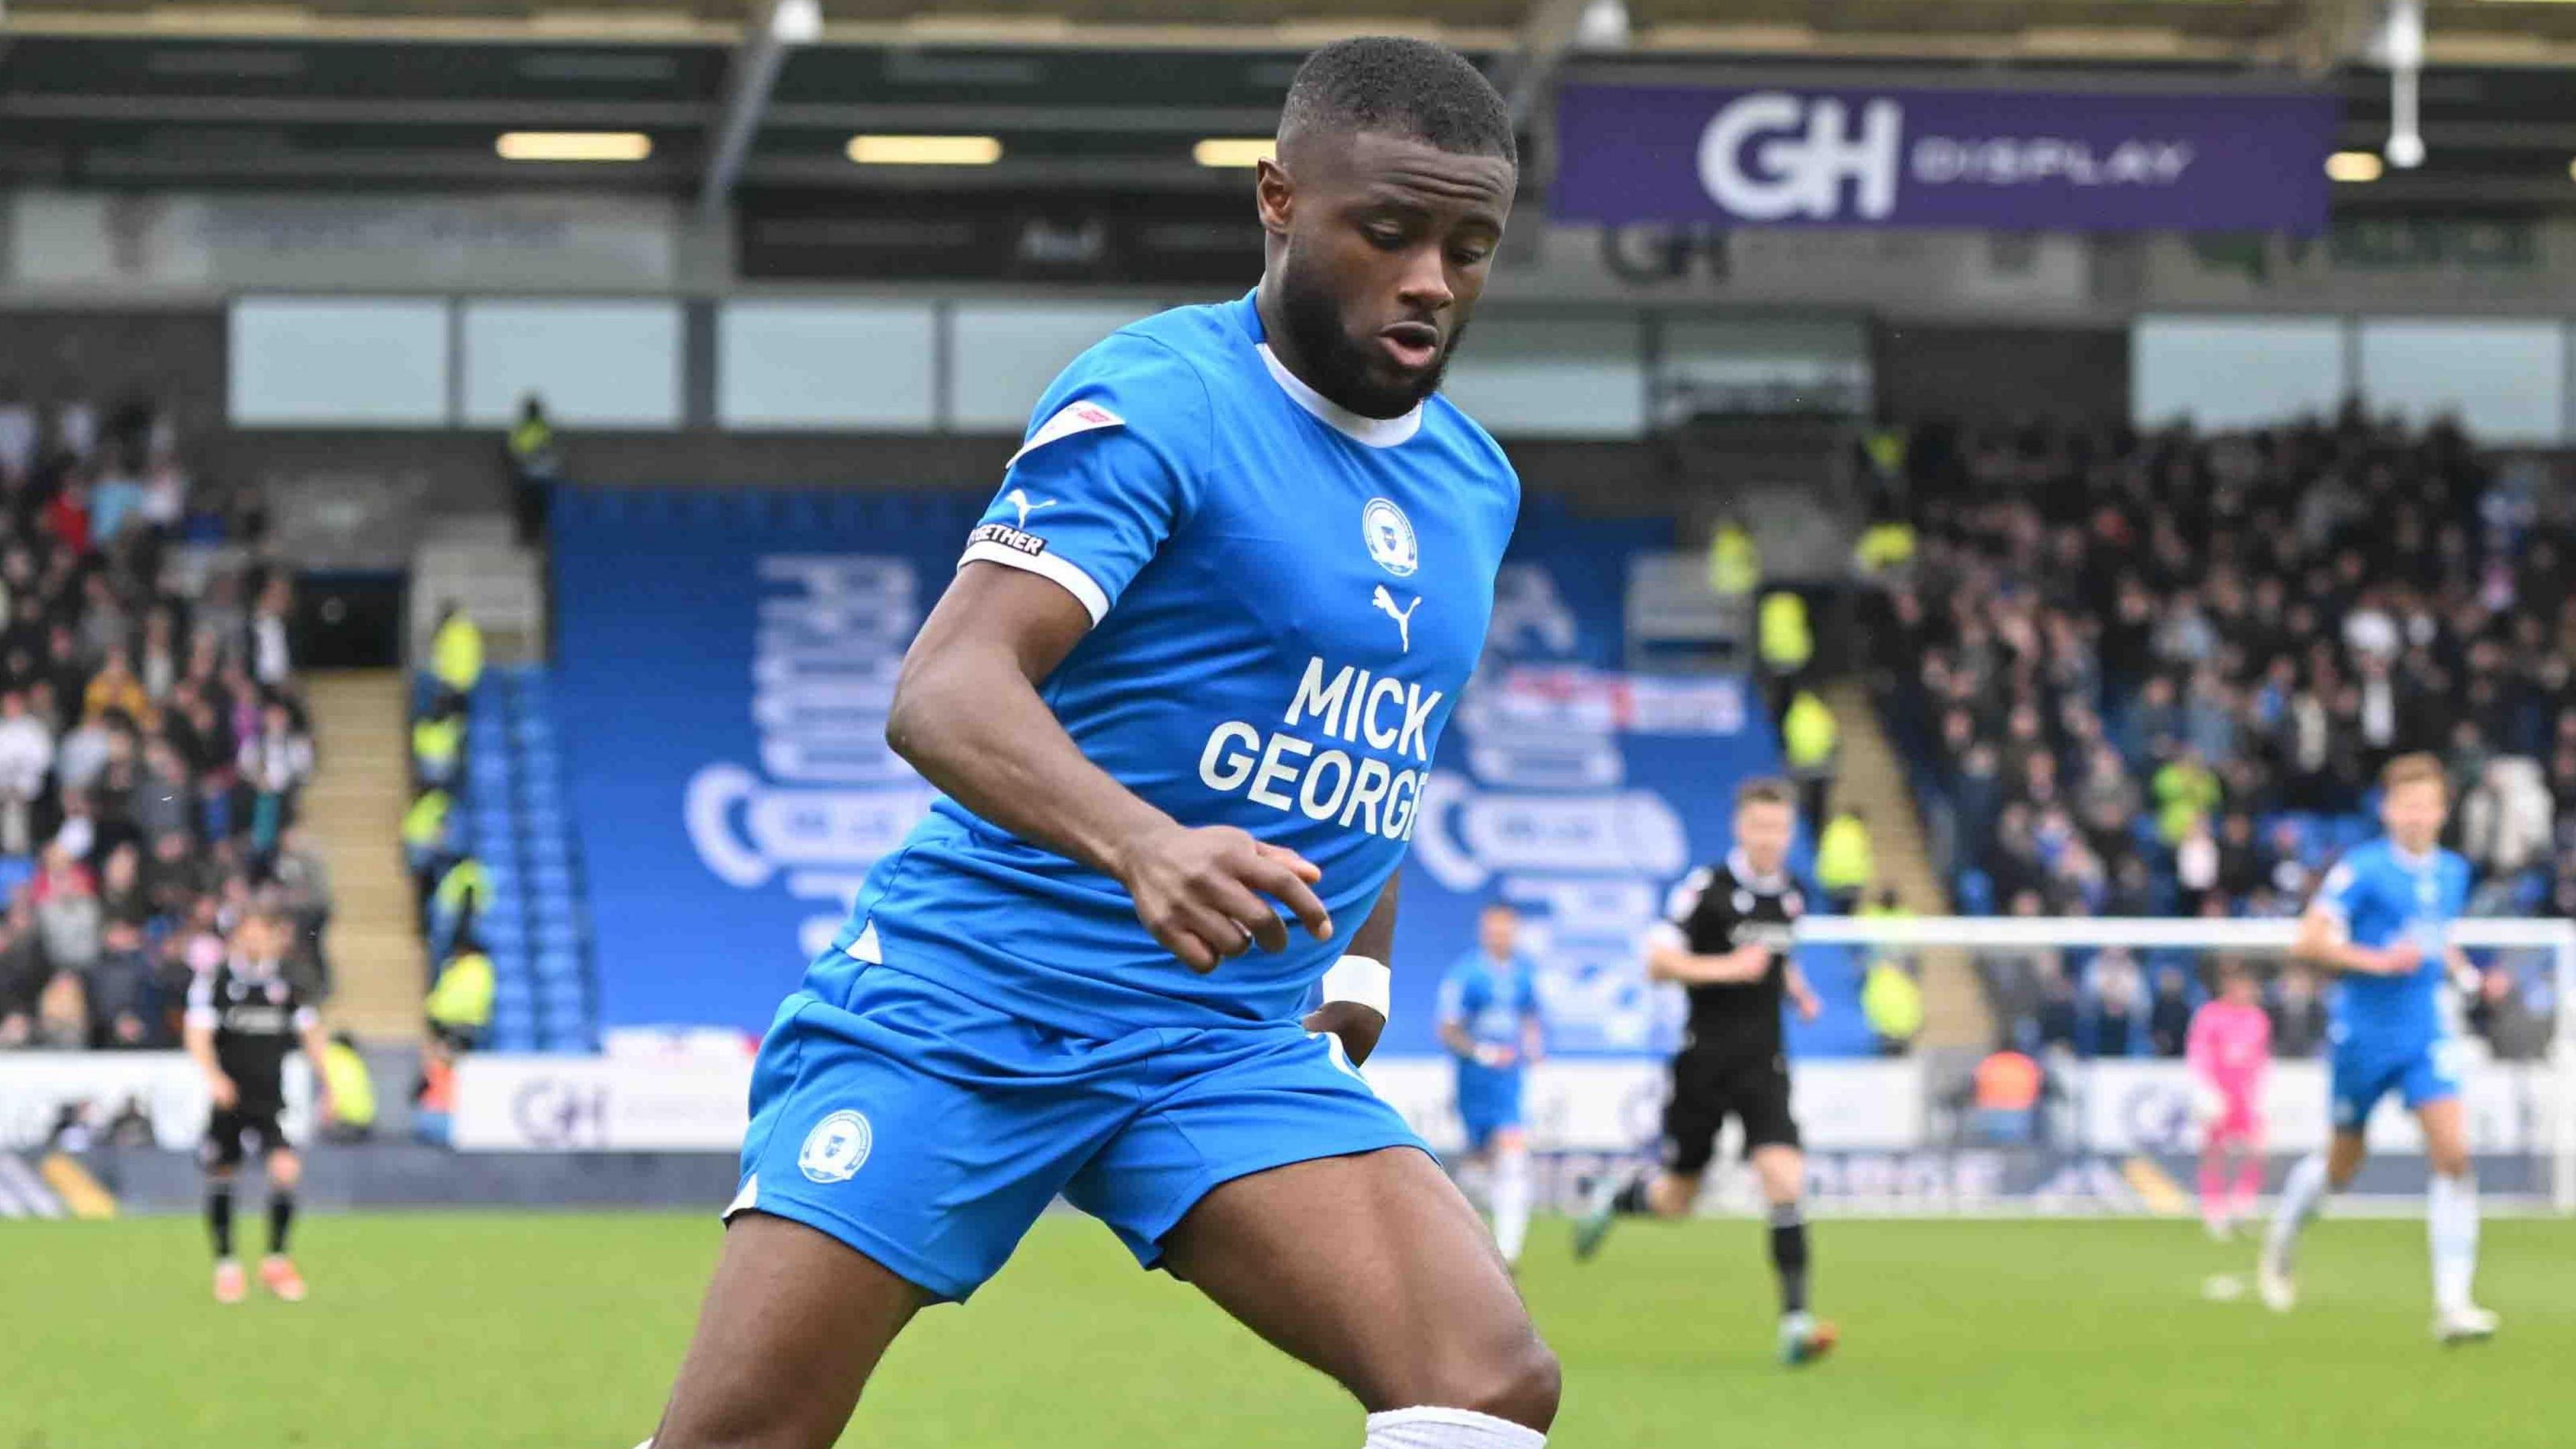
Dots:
{"x": 1493, "y": 1025}
{"x": 2230, "y": 1051}
{"x": 2383, "y": 919}
{"x": 1727, "y": 942}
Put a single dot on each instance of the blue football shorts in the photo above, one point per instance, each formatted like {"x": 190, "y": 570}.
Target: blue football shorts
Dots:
{"x": 1489, "y": 1101}
{"x": 2418, "y": 1074}
{"x": 928, "y": 1131}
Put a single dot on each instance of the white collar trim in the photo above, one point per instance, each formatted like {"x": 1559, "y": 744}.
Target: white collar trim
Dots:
{"x": 1371, "y": 432}
{"x": 1741, "y": 867}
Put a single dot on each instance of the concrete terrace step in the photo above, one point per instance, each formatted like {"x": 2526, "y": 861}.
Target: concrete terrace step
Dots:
{"x": 354, "y": 809}
{"x": 1869, "y": 776}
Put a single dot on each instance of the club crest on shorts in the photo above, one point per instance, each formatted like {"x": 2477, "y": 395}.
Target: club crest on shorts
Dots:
{"x": 1389, "y": 535}
{"x": 836, "y": 1149}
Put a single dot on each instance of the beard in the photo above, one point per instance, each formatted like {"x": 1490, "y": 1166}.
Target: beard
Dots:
{"x": 1344, "y": 370}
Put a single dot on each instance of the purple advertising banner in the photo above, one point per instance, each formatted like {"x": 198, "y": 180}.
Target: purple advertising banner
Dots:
{"x": 2006, "y": 160}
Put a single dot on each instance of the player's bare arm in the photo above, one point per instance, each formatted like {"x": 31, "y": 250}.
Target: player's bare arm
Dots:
{"x": 2323, "y": 942}
{"x": 967, "y": 715}
{"x": 1667, "y": 962}
{"x": 1453, "y": 1035}
{"x": 1357, "y": 1023}
{"x": 200, "y": 1042}
{"x": 315, "y": 1042}
{"x": 1801, "y": 995}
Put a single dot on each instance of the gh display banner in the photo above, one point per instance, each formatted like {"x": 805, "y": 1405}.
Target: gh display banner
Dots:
{"x": 2000, "y": 160}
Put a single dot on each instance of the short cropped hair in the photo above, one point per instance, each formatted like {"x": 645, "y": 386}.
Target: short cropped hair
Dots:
{"x": 1764, "y": 790}
{"x": 2409, "y": 769}
{"x": 1394, "y": 85}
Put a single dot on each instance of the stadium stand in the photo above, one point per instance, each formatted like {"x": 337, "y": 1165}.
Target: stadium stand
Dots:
{"x": 537, "y": 924}
{"x": 2155, "y": 674}
{"x": 154, "y": 740}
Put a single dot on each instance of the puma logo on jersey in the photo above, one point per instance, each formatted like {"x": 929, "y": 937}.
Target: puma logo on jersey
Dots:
{"x": 1019, "y": 498}
{"x": 1403, "y": 621}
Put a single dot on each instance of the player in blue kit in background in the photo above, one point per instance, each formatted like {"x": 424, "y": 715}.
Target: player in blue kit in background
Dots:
{"x": 1492, "y": 1023}
{"x": 1180, "y": 700}
{"x": 2382, "y": 917}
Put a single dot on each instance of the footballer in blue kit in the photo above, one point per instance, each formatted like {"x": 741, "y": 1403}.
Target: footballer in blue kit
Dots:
{"x": 1494, "y": 1027}
{"x": 2382, "y": 919}
{"x": 1180, "y": 701}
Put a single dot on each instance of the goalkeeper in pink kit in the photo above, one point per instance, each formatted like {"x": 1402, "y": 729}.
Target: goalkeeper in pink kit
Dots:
{"x": 2230, "y": 1049}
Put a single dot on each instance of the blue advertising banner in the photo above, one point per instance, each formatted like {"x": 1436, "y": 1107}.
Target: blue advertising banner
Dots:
{"x": 2002, "y": 160}
{"x": 726, "y": 663}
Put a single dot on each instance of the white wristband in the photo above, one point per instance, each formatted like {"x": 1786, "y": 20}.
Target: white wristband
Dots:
{"x": 1357, "y": 978}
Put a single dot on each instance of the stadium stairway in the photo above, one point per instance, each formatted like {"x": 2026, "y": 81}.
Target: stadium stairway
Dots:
{"x": 1871, "y": 778}
{"x": 353, "y": 810}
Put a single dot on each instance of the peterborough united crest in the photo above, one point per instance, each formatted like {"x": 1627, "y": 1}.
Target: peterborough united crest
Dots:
{"x": 1390, "y": 537}
{"x": 837, "y": 1148}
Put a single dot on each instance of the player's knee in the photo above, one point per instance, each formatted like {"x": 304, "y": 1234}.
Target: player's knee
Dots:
{"x": 1520, "y": 1383}
{"x": 1535, "y": 1384}
{"x": 285, "y": 1170}
{"x": 1672, "y": 1194}
{"x": 1514, "y": 1378}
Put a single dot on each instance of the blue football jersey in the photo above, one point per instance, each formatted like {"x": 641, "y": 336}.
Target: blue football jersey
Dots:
{"x": 2381, "y": 895}
{"x": 1286, "y": 599}
{"x": 1491, "y": 999}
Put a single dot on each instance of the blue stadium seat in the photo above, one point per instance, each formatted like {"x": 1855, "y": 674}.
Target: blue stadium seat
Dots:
{"x": 1976, "y": 893}
{"x": 513, "y": 1036}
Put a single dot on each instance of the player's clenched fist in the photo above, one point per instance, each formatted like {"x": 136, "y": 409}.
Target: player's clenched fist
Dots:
{"x": 1201, "y": 892}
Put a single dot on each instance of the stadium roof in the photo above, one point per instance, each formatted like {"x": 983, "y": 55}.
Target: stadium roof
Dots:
{"x": 1108, "y": 92}
{"x": 2500, "y": 31}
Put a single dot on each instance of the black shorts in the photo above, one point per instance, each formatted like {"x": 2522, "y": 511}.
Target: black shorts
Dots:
{"x": 230, "y": 1127}
{"x": 1711, "y": 1085}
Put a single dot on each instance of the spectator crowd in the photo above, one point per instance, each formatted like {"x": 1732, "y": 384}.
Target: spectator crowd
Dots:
{"x": 153, "y": 741}
{"x": 2155, "y": 674}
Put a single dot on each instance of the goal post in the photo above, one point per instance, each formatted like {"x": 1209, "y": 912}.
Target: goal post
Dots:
{"x": 2554, "y": 1136}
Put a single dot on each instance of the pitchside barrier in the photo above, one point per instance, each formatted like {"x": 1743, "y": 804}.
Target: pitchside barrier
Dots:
{"x": 1883, "y": 1134}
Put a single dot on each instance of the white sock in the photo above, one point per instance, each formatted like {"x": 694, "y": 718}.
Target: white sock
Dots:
{"x": 2300, "y": 1193}
{"x": 1511, "y": 1202}
{"x": 1448, "y": 1429}
{"x": 2451, "y": 1224}
{"x": 1476, "y": 1184}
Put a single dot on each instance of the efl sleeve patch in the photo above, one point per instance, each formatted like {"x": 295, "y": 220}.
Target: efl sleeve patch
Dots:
{"x": 1684, "y": 896}
{"x": 1072, "y": 418}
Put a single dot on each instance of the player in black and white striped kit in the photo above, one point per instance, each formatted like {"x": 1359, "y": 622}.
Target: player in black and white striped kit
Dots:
{"x": 244, "y": 1020}
{"x": 1727, "y": 941}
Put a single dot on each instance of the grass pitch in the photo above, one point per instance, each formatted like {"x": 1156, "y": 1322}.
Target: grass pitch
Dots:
{"x": 493, "y": 1331}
